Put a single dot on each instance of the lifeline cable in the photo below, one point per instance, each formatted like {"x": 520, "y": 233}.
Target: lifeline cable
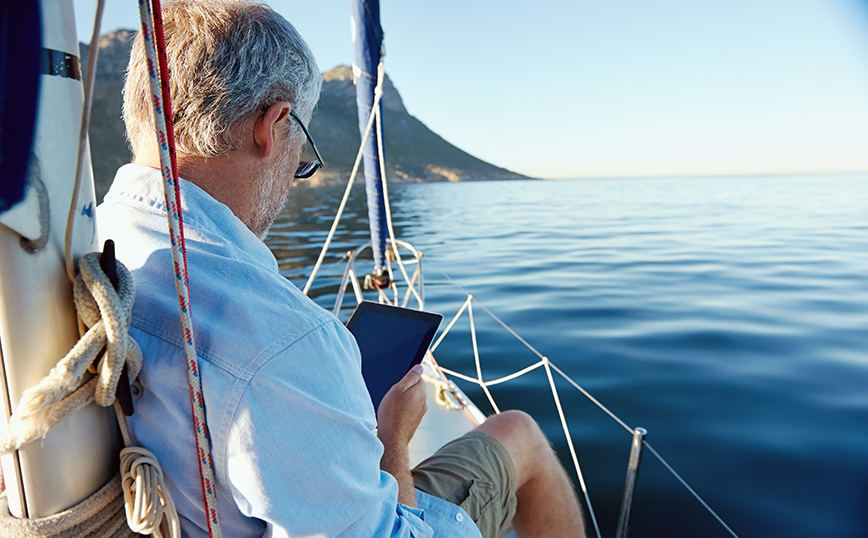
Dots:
{"x": 547, "y": 365}
{"x": 152, "y": 28}
{"x": 544, "y": 361}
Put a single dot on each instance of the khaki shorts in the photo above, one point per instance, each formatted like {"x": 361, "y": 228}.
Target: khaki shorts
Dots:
{"x": 476, "y": 473}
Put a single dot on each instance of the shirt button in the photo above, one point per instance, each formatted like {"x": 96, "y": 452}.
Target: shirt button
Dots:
{"x": 459, "y": 517}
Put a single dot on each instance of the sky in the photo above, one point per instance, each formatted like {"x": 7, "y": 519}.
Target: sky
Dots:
{"x": 580, "y": 88}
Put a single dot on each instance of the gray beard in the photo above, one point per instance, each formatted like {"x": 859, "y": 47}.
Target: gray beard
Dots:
{"x": 274, "y": 185}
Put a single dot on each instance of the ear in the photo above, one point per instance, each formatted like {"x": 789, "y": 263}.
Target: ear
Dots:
{"x": 268, "y": 128}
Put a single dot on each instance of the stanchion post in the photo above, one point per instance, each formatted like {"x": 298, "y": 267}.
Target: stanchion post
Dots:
{"x": 630, "y": 487}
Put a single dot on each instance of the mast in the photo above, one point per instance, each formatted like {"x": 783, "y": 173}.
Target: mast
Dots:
{"x": 37, "y": 314}
{"x": 368, "y": 43}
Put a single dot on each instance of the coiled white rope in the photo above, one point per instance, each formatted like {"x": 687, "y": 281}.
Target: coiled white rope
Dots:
{"x": 99, "y": 516}
{"x": 147, "y": 502}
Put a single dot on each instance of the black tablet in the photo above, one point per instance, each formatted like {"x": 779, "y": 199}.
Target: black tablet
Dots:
{"x": 392, "y": 340}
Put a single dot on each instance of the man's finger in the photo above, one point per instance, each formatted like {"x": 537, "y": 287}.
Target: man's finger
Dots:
{"x": 411, "y": 378}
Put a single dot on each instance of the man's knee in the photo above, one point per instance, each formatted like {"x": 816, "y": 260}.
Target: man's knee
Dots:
{"x": 514, "y": 424}
{"x": 522, "y": 437}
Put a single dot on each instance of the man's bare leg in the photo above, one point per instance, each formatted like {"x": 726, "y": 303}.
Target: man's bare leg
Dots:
{"x": 547, "y": 502}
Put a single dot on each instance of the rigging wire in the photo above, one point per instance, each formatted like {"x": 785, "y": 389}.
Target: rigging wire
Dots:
{"x": 92, "y": 56}
{"x": 596, "y": 402}
{"x": 569, "y": 437}
{"x": 451, "y": 323}
{"x": 476, "y": 358}
{"x": 692, "y": 492}
{"x": 548, "y": 364}
{"x": 543, "y": 359}
{"x": 378, "y": 92}
{"x": 381, "y": 70}
{"x": 468, "y": 305}
{"x": 487, "y": 311}
{"x": 499, "y": 380}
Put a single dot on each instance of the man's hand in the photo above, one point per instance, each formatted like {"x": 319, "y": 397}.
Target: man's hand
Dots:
{"x": 402, "y": 408}
{"x": 400, "y": 412}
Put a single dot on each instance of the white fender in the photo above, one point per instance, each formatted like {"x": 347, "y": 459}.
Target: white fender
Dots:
{"x": 37, "y": 315}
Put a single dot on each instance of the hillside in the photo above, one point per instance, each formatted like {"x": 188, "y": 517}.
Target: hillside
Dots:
{"x": 414, "y": 153}
{"x": 108, "y": 145}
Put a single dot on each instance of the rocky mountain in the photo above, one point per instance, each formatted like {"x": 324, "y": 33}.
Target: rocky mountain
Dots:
{"x": 413, "y": 152}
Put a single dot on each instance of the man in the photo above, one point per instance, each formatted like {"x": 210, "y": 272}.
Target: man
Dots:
{"x": 290, "y": 419}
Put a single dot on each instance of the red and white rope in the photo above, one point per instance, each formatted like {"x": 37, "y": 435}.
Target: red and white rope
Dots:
{"x": 155, "y": 49}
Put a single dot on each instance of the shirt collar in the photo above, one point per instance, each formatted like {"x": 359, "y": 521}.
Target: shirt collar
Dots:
{"x": 142, "y": 185}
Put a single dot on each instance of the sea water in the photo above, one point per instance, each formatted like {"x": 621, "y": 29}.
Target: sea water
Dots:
{"x": 727, "y": 316}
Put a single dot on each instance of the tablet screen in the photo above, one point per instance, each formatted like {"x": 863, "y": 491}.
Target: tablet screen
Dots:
{"x": 391, "y": 341}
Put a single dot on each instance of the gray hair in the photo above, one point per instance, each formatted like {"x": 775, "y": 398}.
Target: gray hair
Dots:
{"x": 228, "y": 60}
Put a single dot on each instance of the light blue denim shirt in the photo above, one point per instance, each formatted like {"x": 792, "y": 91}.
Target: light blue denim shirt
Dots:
{"x": 290, "y": 418}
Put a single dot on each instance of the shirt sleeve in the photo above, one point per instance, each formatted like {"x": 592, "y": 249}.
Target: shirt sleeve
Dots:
{"x": 301, "y": 454}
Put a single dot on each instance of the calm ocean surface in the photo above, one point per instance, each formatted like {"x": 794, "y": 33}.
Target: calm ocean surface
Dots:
{"x": 727, "y": 316}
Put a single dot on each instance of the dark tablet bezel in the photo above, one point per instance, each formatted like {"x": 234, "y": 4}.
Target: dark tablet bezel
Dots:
{"x": 433, "y": 320}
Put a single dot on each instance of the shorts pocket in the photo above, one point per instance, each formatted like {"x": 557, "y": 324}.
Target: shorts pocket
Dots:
{"x": 475, "y": 497}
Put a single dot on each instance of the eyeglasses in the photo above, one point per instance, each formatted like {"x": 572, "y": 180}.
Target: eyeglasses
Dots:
{"x": 307, "y": 168}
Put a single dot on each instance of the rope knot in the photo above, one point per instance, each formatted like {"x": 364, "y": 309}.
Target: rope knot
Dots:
{"x": 61, "y": 393}
{"x": 108, "y": 313}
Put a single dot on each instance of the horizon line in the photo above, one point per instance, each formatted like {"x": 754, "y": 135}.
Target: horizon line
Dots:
{"x": 703, "y": 176}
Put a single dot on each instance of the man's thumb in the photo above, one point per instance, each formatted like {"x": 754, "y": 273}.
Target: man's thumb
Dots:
{"x": 412, "y": 377}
